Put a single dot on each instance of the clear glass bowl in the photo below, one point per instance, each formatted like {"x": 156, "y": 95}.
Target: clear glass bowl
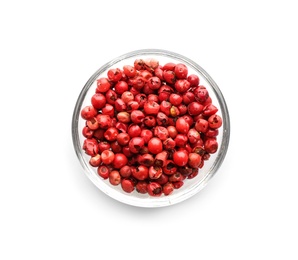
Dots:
{"x": 191, "y": 186}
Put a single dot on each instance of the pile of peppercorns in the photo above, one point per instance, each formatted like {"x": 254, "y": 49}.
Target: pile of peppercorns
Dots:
{"x": 150, "y": 127}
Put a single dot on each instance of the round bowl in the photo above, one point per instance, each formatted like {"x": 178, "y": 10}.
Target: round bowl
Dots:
{"x": 190, "y": 186}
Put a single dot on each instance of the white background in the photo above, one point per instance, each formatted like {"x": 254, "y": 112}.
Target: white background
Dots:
{"x": 50, "y": 209}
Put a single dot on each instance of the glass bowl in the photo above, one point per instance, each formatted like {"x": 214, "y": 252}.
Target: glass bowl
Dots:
{"x": 190, "y": 186}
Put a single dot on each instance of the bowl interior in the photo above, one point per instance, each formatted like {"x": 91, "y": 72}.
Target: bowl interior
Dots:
{"x": 191, "y": 186}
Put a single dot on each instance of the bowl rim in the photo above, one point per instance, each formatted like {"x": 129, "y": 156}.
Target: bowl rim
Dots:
{"x": 167, "y": 200}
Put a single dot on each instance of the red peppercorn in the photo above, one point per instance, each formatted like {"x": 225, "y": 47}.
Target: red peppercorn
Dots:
{"x": 115, "y": 178}
{"x": 215, "y": 121}
{"x": 181, "y": 71}
{"x": 91, "y": 146}
{"x": 194, "y": 160}
{"x": 188, "y": 119}
{"x": 134, "y": 130}
{"x": 127, "y": 97}
{"x": 201, "y": 94}
{"x": 108, "y": 110}
{"x": 129, "y": 71}
{"x": 180, "y": 157}
{"x": 120, "y": 160}
{"x": 137, "y": 116}
{"x": 155, "y": 145}
{"x": 103, "y": 146}
{"x": 195, "y": 108}
{"x": 159, "y": 73}
{"x": 88, "y": 112}
{"x": 146, "y": 134}
{"x": 132, "y": 105}
{"x": 182, "y": 109}
{"x": 154, "y": 189}
{"x": 141, "y": 187}
{"x": 123, "y": 138}
{"x": 127, "y": 185}
{"x": 114, "y": 75}
{"x": 139, "y": 64}
{"x": 163, "y": 179}
{"x": 168, "y": 188}
{"x": 211, "y": 145}
{"x": 182, "y": 126}
{"x": 164, "y": 93}
{"x": 98, "y": 100}
{"x": 136, "y": 144}
{"x": 103, "y": 85}
{"x": 152, "y": 97}
{"x": 140, "y": 172}
{"x": 181, "y": 140}
{"x": 175, "y": 99}
{"x": 209, "y": 110}
{"x": 107, "y": 156}
{"x": 141, "y": 99}
{"x": 120, "y": 105}
{"x": 188, "y": 97}
{"x": 87, "y": 132}
{"x": 121, "y": 87}
{"x": 169, "y": 76}
{"x": 151, "y": 108}
{"x": 182, "y": 85}
{"x": 211, "y": 132}
{"x": 151, "y": 64}
{"x": 169, "y": 66}
{"x": 123, "y": 117}
{"x": 176, "y": 177}
{"x": 111, "y": 134}
{"x": 161, "y": 158}
{"x": 165, "y": 107}
{"x": 154, "y": 83}
{"x": 149, "y": 121}
{"x": 169, "y": 144}
{"x": 95, "y": 160}
{"x": 92, "y": 124}
{"x": 169, "y": 167}
{"x": 125, "y": 171}
{"x": 172, "y": 131}
{"x": 146, "y": 159}
{"x": 193, "y": 135}
{"x": 111, "y": 97}
{"x": 201, "y": 125}
{"x": 193, "y": 80}
{"x": 178, "y": 184}
{"x": 155, "y": 172}
{"x": 103, "y": 171}
{"x": 161, "y": 132}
